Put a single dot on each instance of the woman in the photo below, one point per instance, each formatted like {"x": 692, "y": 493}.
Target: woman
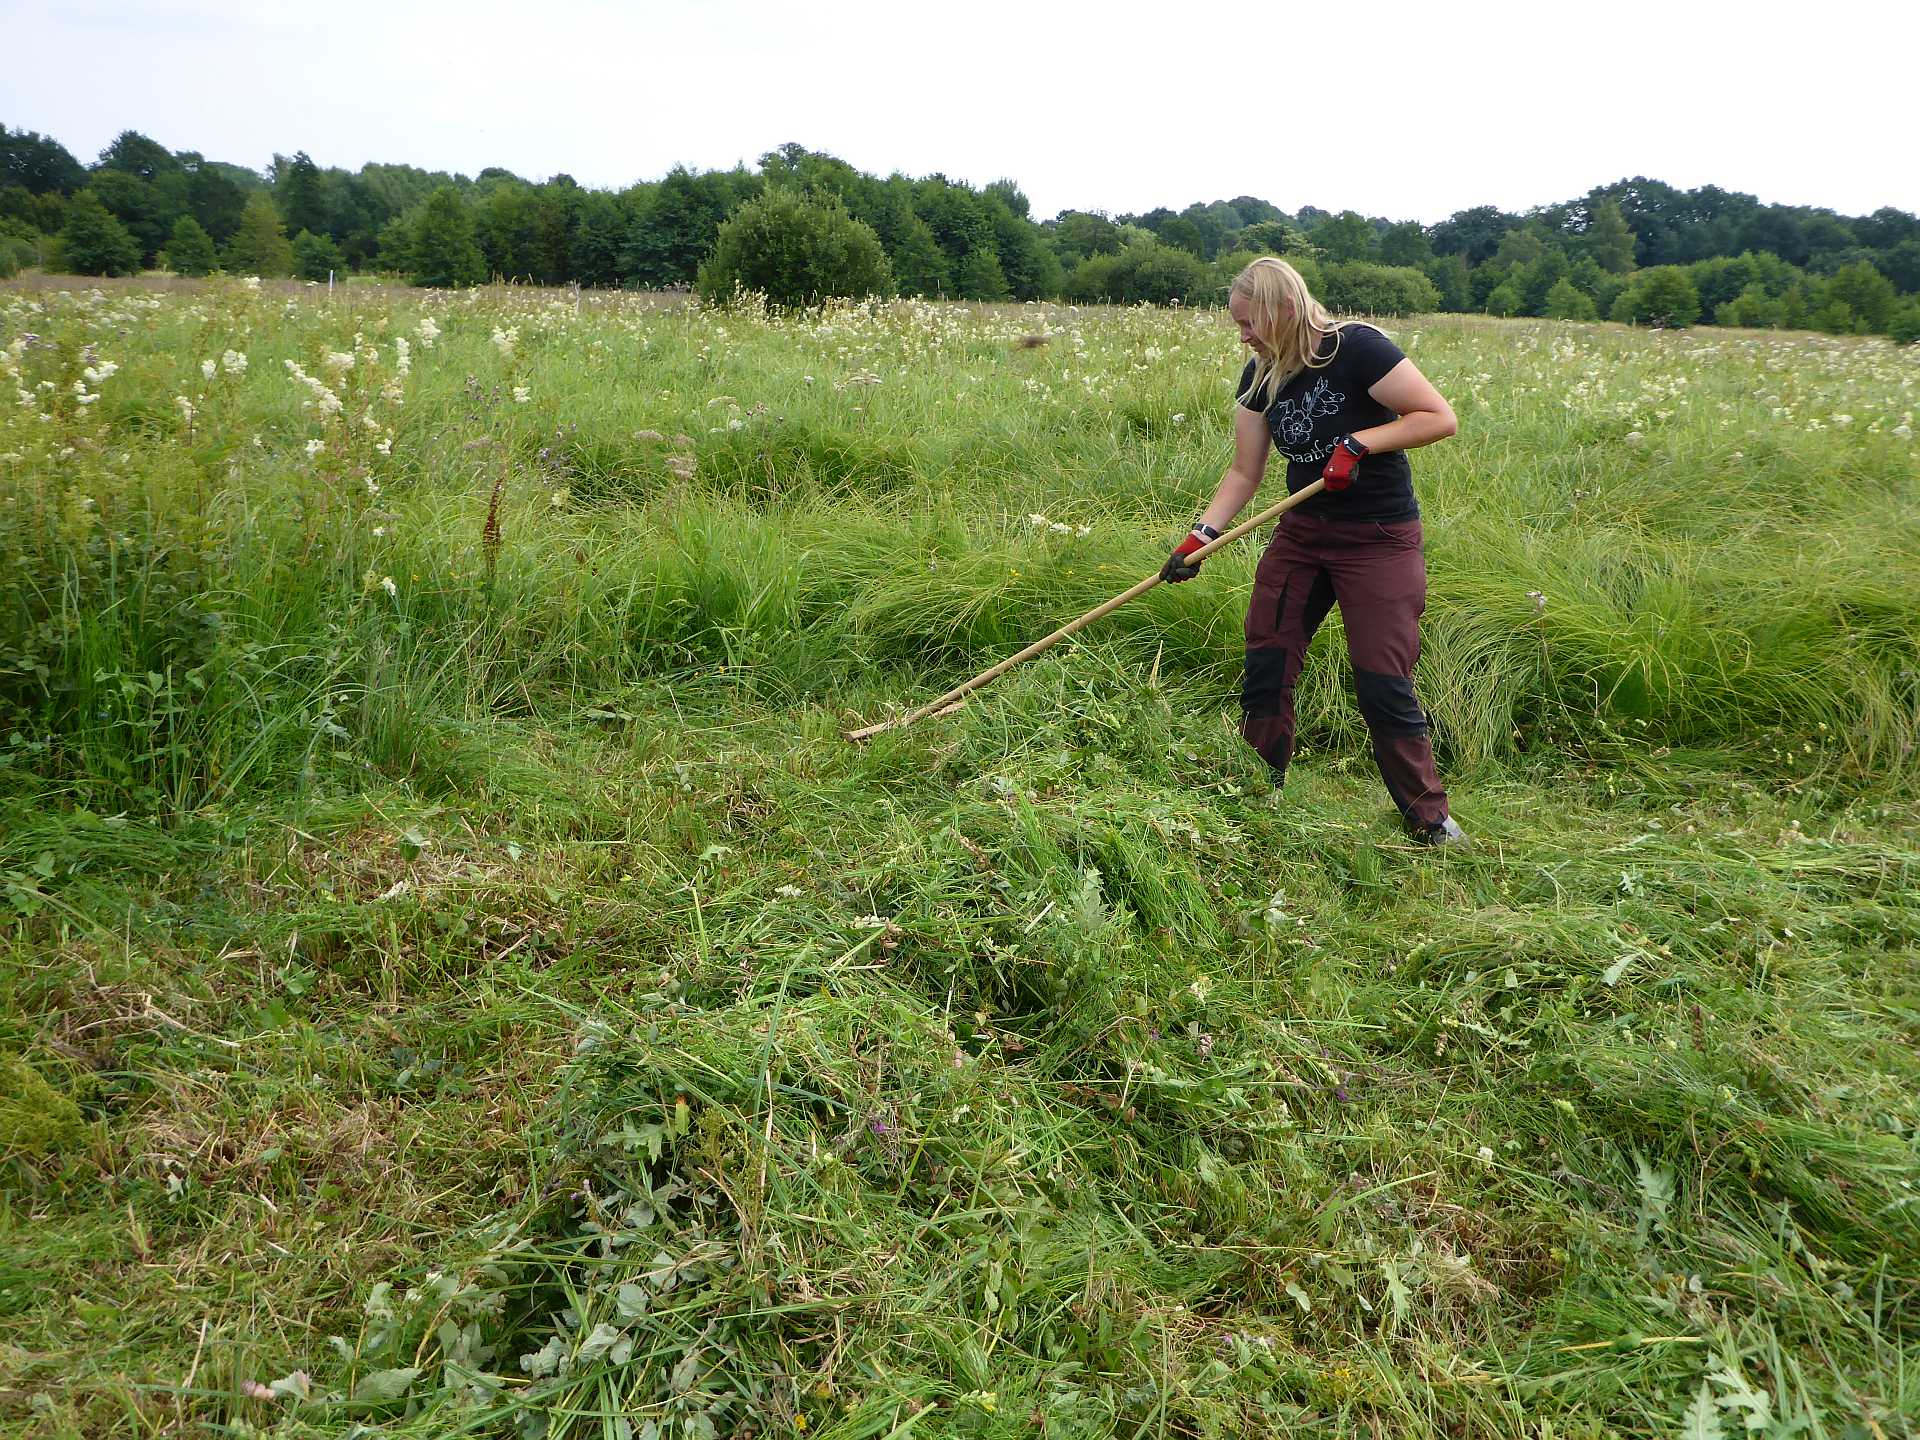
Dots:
{"x": 1341, "y": 402}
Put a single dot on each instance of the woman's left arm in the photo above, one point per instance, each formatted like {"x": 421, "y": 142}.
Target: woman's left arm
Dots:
{"x": 1424, "y": 413}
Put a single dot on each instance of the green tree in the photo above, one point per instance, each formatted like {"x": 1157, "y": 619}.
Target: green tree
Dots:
{"x": 299, "y": 191}
{"x": 1565, "y": 301}
{"x": 315, "y": 257}
{"x": 1183, "y": 235}
{"x": 190, "y": 249}
{"x": 1506, "y": 298}
{"x": 1904, "y": 324}
{"x": 1864, "y": 291}
{"x": 1405, "y": 244}
{"x": 1609, "y": 241}
{"x": 137, "y": 204}
{"x": 1145, "y": 273}
{"x": 978, "y": 276}
{"x": 1031, "y": 269}
{"x": 259, "y": 246}
{"x": 1080, "y": 233}
{"x": 1362, "y": 288}
{"x": 1751, "y": 309}
{"x": 1347, "y": 236}
{"x": 795, "y": 250}
{"x": 135, "y": 154}
{"x": 38, "y": 163}
{"x": 1662, "y": 297}
{"x": 1448, "y": 276}
{"x": 441, "y": 247}
{"x": 93, "y": 242}
{"x": 1271, "y": 237}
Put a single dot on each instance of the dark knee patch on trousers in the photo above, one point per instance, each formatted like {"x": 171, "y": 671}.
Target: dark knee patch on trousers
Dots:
{"x": 1263, "y": 689}
{"x": 1388, "y": 703}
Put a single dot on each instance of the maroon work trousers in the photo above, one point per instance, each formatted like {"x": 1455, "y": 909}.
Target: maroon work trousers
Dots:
{"x": 1377, "y": 574}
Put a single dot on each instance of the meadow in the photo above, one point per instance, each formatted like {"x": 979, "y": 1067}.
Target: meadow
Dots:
{"x": 456, "y": 979}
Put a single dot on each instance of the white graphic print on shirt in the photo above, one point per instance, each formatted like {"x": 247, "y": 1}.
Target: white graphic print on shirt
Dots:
{"x": 1292, "y": 422}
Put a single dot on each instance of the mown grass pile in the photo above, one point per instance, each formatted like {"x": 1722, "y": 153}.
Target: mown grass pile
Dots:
{"x": 458, "y": 979}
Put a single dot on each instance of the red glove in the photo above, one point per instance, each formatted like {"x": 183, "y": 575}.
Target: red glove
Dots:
{"x": 1343, "y": 463}
{"x": 1177, "y": 569}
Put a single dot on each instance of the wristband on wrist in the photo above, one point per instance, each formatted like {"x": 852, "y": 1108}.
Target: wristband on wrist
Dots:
{"x": 1205, "y": 531}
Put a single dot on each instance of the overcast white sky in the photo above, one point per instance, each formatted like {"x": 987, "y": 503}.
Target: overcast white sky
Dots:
{"x": 1402, "y": 110}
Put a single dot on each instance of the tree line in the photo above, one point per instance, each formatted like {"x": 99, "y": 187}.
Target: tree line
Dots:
{"x": 801, "y": 225}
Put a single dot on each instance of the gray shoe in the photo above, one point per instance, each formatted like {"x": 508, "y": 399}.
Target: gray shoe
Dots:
{"x": 1441, "y": 832}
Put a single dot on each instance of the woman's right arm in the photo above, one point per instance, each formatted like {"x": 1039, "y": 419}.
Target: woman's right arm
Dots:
{"x": 1251, "y": 441}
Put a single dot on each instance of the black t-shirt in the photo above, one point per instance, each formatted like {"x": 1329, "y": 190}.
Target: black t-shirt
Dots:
{"x": 1318, "y": 406}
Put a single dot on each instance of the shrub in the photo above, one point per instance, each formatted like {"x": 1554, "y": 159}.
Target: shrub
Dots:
{"x": 1506, "y": 298}
{"x": 190, "y": 249}
{"x": 12, "y": 257}
{"x": 1836, "y": 317}
{"x": 1752, "y": 309}
{"x": 1145, "y": 273}
{"x": 316, "y": 256}
{"x": 1566, "y": 301}
{"x": 94, "y": 243}
{"x": 1864, "y": 291}
{"x": 1360, "y": 287}
{"x": 795, "y": 250}
{"x": 1661, "y": 297}
{"x": 1904, "y": 324}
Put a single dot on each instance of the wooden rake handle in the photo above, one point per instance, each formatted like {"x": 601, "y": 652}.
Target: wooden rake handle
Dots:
{"x": 959, "y": 692}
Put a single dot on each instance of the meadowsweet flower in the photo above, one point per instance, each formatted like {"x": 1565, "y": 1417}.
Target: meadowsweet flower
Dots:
{"x": 1180, "y": 418}
{"x": 338, "y": 361}
{"x": 1485, "y": 1154}
{"x": 1840, "y": 422}
{"x": 1903, "y": 432}
{"x": 402, "y": 355}
{"x": 209, "y": 368}
{"x": 316, "y": 448}
{"x": 386, "y": 584}
{"x": 427, "y": 331}
{"x": 504, "y": 340}
{"x": 1634, "y": 437}
{"x": 521, "y": 394}
{"x": 186, "y": 408}
{"x": 558, "y": 500}
{"x": 373, "y": 490}
{"x": 252, "y": 282}
{"x": 789, "y": 892}
{"x": 234, "y": 363}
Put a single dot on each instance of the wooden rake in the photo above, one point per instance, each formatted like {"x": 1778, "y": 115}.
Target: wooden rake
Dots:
{"x": 956, "y": 697}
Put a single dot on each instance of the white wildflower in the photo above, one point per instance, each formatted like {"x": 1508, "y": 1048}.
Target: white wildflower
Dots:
{"x": 427, "y": 331}
{"x": 1634, "y": 437}
{"x": 373, "y": 490}
{"x": 789, "y": 892}
{"x": 1903, "y": 432}
{"x": 252, "y": 282}
{"x": 1485, "y": 1154}
{"x": 558, "y": 500}
{"x": 1180, "y": 417}
{"x": 1840, "y": 422}
{"x": 403, "y": 354}
{"x": 234, "y": 363}
{"x": 186, "y": 408}
{"x": 316, "y": 448}
{"x": 338, "y": 361}
{"x": 521, "y": 394}
{"x": 209, "y": 368}
{"x": 386, "y": 584}
{"x": 504, "y": 340}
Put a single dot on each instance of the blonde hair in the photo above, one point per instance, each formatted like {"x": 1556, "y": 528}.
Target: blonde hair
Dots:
{"x": 1287, "y": 320}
